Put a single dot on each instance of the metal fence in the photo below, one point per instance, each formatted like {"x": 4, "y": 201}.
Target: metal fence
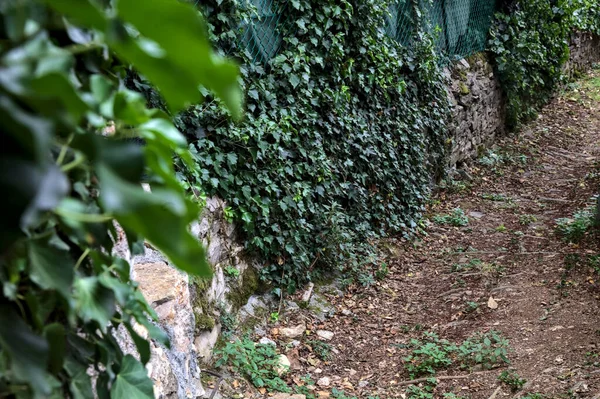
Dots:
{"x": 460, "y": 27}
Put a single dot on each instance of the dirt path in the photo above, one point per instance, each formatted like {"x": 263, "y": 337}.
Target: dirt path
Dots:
{"x": 545, "y": 289}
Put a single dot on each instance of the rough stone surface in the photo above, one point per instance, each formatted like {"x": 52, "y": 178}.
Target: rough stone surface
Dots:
{"x": 585, "y": 52}
{"x": 326, "y": 335}
{"x": 283, "y": 365}
{"x": 478, "y": 107}
{"x": 287, "y": 396}
{"x": 293, "y": 332}
{"x": 478, "y": 101}
{"x": 324, "y": 382}
{"x": 205, "y": 342}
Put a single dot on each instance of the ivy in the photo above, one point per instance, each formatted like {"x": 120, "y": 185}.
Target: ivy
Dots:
{"x": 530, "y": 44}
{"x": 69, "y": 171}
{"x": 343, "y": 132}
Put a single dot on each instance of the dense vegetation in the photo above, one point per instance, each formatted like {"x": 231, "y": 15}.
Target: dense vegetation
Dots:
{"x": 68, "y": 174}
{"x": 530, "y": 44}
{"x": 343, "y": 131}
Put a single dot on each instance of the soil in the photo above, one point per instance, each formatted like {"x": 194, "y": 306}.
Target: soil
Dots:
{"x": 546, "y": 289}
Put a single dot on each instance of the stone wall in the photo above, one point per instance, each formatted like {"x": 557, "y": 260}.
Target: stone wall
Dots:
{"x": 478, "y": 107}
{"x": 585, "y": 52}
{"x": 478, "y": 100}
{"x": 188, "y": 308}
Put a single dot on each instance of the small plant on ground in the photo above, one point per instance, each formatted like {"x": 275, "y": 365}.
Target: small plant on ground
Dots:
{"x": 257, "y": 362}
{"x": 512, "y": 379}
{"x": 231, "y": 271}
{"x": 527, "y": 219}
{"x": 495, "y": 197}
{"x": 428, "y": 355}
{"x": 382, "y": 272}
{"x": 488, "y": 349}
{"x": 320, "y": 348}
{"x": 228, "y": 322}
{"x": 340, "y": 394}
{"x": 424, "y": 392}
{"x": 452, "y": 395}
{"x": 274, "y": 317}
{"x": 473, "y": 263}
{"x": 573, "y": 229}
{"x": 454, "y": 186}
{"x": 501, "y": 228}
{"x": 456, "y": 218}
{"x": 471, "y": 307}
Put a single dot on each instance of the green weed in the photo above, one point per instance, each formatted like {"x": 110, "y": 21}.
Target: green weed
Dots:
{"x": 471, "y": 307}
{"x": 432, "y": 353}
{"x": 257, "y": 362}
{"x": 526, "y": 220}
{"x": 512, "y": 379}
{"x": 320, "y": 348}
{"x": 456, "y": 218}
{"x": 573, "y": 229}
{"x": 495, "y": 197}
{"x": 231, "y": 271}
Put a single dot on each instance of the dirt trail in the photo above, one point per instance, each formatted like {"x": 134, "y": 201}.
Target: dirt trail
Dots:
{"x": 547, "y": 297}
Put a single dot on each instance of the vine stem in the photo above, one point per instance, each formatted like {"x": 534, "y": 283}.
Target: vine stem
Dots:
{"x": 81, "y": 258}
{"x": 84, "y": 217}
{"x": 63, "y": 150}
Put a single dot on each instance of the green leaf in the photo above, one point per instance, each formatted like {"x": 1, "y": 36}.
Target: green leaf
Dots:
{"x": 142, "y": 345}
{"x": 80, "y": 383}
{"x": 56, "y": 87}
{"x": 132, "y": 382}
{"x": 166, "y": 131}
{"x": 183, "y": 38}
{"x": 82, "y": 11}
{"x": 94, "y": 301}
{"x": 57, "y": 340}
{"x": 50, "y": 267}
{"x": 161, "y": 217}
{"x": 28, "y": 351}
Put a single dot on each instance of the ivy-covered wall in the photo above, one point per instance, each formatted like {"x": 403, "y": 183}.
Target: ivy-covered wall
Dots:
{"x": 343, "y": 132}
{"x": 346, "y": 127}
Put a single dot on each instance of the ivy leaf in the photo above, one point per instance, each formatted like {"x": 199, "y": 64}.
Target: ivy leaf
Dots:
{"x": 55, "y": 335}
{"x": 232, "y": 158}
{"x": 80, "y": 383}
{"x": 28, "y": 351}
{"x": 132, "y": 382}
{"x": 294, "y": 80}
{"x": 141, "y": 344}
{"x": 51, "y": 268}
{"x": 253, "y": 94}
{"x": 94, "y": 301}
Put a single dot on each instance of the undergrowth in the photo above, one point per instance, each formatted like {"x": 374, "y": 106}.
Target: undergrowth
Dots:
{"x": 456, "y": 218}
{"x": 259, "y": 363}
{"x": 432, "y": 353}
{"x": 573, "y": 229}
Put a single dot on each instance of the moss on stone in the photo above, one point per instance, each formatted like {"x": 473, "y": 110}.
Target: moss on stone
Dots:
{"x": 203, "y": 321}
{"x": 200, "y": 305}
{"x": 246, "y": 286}
{"x": 464, "y": 90}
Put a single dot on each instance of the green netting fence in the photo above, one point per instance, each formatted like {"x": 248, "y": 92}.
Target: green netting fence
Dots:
{"x": 460, "y": 27}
